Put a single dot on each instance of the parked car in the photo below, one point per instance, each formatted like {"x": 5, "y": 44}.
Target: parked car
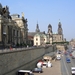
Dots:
{"x": 37, "y": 70}
{"x": 73, "y": 70}
{"x": 25, "y": 72}
{"x": 70, "y": 54}
{"x": 58, "y": 56}
{"x": 65, "y": 53}
{"x": 73, "y": 57}
{"x": 68, "y": 60}
{"x": 58, "y": 51}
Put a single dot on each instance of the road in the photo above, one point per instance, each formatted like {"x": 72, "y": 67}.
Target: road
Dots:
{"x": 60, "y": 67}
{"x": 66, "y": 67}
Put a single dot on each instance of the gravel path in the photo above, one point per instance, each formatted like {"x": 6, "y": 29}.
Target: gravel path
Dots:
{"x": 55, "y": 70}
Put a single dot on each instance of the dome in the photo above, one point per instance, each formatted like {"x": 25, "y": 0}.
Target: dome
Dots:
{"x": 49, "y": 26}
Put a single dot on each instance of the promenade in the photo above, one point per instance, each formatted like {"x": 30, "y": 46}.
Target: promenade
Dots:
{"x": 55, "y": 70}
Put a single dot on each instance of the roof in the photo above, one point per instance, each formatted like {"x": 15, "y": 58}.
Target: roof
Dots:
{"x": 41, "y": 35}
{"x": 33, "y": 33}
{"x": 49, "y": 54}
{"x": 72, "y": 67}
{"x": 24, "y": 71}
{"x": 44, "y": 35}
{"x": 30, "y": 36}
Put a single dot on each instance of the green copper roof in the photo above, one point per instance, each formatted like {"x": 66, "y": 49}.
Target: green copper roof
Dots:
{"x": 41, "y": 35}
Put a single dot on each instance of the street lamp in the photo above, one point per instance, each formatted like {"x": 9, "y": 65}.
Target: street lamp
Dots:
{"x": 4, "y": 35}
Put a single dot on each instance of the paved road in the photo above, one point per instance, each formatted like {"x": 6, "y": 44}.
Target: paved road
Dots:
{"x": 55, "y": 70}
{"x": 66, "y": 67}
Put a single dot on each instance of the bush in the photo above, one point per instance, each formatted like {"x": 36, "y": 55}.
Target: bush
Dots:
{"x": 20, "y": 44}
{"x": 17, "y": 44}
{"x": 61, "y": 42}
{"x": 47, "y": 42}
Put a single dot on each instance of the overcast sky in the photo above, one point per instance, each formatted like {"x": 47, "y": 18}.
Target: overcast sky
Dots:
{"x": 46, "y": 12}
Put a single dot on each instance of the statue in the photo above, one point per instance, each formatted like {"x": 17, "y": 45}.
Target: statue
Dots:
{"x": 22, "y": 14}
{"x": 5, "y": 11}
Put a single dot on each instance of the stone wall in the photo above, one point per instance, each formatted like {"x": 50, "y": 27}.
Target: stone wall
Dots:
{"x": 22, "y": 58}
{"x": 60, "y": 47}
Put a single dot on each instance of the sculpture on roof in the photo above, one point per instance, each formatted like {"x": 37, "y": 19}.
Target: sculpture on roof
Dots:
{"x": 0, "y": 9}
{"x": 22, "y": 14}
{"x": 5, "y": 11}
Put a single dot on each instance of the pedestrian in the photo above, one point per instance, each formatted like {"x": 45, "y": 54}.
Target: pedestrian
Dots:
{"x": 10, "y": 48}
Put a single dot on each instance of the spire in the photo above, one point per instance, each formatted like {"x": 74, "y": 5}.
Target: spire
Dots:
{"x": 59, "y": 28}
{"x": 49, "y": 28}
{"x": 37, "y": 27}
{"x": 59, "y": 24}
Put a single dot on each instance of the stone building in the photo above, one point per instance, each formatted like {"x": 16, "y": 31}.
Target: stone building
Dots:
{"x": 32, "y": 34}
{"x": 22, "y": 24}
{"x": 39, "y": 38}
{"x": 58, "y": 37}
{"x": 50, "y": 33}
{"x": 72, "y": 42}
{"x": 13, "y": 29}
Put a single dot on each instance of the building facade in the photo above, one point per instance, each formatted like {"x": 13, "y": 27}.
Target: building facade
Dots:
{"x": 58, "y": 37}
{"x": 13, "y": 29}
{"x": 49, "y": 37}
{"x": 40, "y": 39}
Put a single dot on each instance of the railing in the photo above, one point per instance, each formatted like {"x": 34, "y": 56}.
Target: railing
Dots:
{"x": 16, "y": 49}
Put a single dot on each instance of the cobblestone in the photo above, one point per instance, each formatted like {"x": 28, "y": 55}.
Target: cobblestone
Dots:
{"x": 54, "y": 70}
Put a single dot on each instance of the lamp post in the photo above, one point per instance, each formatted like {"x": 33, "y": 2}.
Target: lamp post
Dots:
{"x": 4, "y": 35}
{"x": 4, "y": 39}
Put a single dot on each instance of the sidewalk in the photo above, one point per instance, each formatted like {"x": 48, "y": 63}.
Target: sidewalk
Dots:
{"x": 54, "y": 70}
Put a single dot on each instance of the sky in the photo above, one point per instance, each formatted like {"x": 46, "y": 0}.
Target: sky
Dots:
{"x": 46, "y": 12}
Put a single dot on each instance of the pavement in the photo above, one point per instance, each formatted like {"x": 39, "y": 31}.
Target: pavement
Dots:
{"x": 54, "y": 70}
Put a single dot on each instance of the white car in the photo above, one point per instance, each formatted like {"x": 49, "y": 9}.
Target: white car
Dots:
{"x": 73, "y": 70}
{"x": 58, "y": 57}
{"x": 25, "y": 72}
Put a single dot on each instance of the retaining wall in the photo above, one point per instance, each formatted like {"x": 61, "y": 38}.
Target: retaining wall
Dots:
{"x": 21, "y": 58}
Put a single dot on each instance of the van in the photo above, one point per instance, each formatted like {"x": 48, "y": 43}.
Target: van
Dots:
{"x": 25, "y": 72}
{"x": 58, "y": 57}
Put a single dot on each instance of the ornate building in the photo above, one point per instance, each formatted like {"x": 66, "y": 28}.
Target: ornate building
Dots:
{"x": 13, "y": 29}
{"x": 32, "y": 34}
{"x": 50, "y": 33}
{"x": 58, "y": 37}
{"x": 40, "y": 38}
{"x": 60, "y": 31}
{"x": 22, "y": 23}
{"x": 37, "y": 28}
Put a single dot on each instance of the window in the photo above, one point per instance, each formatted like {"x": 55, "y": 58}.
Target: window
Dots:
{"x": 36, "y": 43}
{"x": 60, "y": 37}
{"x": 17, "y": 33}
{"x": 36, "y": 39}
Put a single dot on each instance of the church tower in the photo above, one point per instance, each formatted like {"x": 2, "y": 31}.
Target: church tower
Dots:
{"x": 50, "y": 33}
{"x": 60, "y": 31}
{"x": 49, "y": 29}
{"x": 37, "y": 28}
